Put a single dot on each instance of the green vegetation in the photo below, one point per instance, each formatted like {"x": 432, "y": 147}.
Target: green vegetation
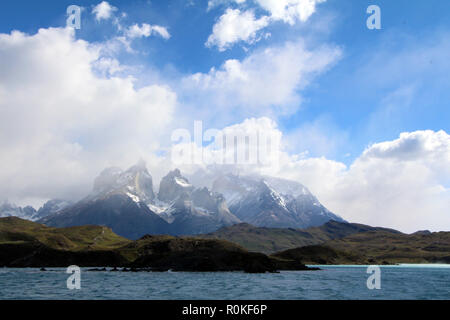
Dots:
{"x": 15, "y": 230}
{"x": 28, "y": 244}
{"x": 270, "y": 240}
{"x": 386, "y": 248}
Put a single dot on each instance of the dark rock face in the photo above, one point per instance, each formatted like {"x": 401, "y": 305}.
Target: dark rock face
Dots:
{"x": 52, "y": 207}
{"x": 174, "y": 185}
{"x": 118, "y": 201}
{"x": 117, "y": 211}
{"x": 192, "y": 210}
{"x": 200, "y": 212}
{"x": 125, "y": 202}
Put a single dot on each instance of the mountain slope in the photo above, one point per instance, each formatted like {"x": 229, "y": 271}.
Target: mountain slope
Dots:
{"x": 10, "y": 210}
{"x": 375, "y": 247}
{"x": 272, "y": 202}
{"x": 118, "y": 201}
{"x": 52, "y": 207}
{"x": 190, "y": 210}
{"x": 269, "y": 240}
{"x": 379, "y": 246}
{"x": 125, "y": 202}
{"x": 13, "y": 229}
{"x": 119, "y": 212}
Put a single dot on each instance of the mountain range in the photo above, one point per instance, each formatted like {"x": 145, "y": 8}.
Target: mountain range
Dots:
{"x": 127, "y": 202}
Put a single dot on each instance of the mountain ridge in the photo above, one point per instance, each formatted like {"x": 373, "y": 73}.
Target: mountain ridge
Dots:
{"x": 127, "y": 202}
{"x": 270, "y": 240}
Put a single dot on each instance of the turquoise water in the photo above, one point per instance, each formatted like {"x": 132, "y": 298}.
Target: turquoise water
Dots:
{"x": 333, "y": 282}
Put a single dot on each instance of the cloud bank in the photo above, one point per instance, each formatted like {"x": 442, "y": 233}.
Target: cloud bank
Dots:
{"x": 62, "y": 123}
{"x": 402, "y": 184}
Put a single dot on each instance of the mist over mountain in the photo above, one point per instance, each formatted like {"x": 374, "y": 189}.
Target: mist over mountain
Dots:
{"x": 128, "y": 203}
{"x": 29, "y": 213}
{"x": 11, "y": 210}
{"x": 272, "y": 202}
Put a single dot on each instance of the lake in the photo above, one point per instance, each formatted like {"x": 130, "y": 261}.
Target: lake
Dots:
{"x": 333, "y": 282}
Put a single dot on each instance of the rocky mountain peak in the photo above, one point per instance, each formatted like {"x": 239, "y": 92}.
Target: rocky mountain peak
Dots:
{"x": 8, "y": 209}
{"x": 135, "y": 182}
{"x": 173, "y": 185}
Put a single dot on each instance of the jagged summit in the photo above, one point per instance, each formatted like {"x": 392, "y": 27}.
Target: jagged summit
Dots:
{"x": 190, "y": 209}
{"x": 8, "y": 209}
{"x": 125, "y": 201}
{"x": 173, "y": 185}
{"x": 272, "y": 202}
{"x": 136, "y": 182}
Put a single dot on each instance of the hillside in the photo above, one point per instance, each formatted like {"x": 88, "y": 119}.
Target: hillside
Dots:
{"x": 28, "y": 244}
{"x": 375, "y": 247}
{"x": 190, "y": 254}
{"x": 320, "y": 254}
{"x": 14, "y": 230}
{"x": 270, "y": 240}
{"x": 379, "y": 247}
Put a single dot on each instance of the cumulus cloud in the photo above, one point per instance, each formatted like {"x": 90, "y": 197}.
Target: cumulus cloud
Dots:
{"x": 290, "y": 11}
{"x": 236, "y": 26}
{"x": 267, "y": 78}
{"x": 145, "y": 30}
{"x": 61, "y": 123}
{"x": 402, "y": 184}
{"x": 103, "y": 11}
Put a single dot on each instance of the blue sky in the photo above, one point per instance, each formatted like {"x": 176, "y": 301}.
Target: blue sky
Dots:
{"x": 342, "y": 100}
{"x": 339, "y": 93}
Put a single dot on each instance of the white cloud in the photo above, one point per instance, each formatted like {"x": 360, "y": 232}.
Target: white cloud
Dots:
{"x": 146, "y": 30}
{"x": 265, "y": 79}
{"x": 61, "y": 123}
{"x": 103, "y": 11}
{"x": 162, "y": 31}
{"x": 290, "y": 11}
{"x": 107, "y": 66}
{"x": 402, "y": 184}
{"x": 235, "y": 26}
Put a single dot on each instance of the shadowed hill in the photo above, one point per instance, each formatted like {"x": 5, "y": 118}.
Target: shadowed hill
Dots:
{"x": 28, "y": 244}
{"x": 269, "y": 240}
{"x": 379, "y": 247}
{"x": 190, "y": 254}
{"x": 375, "y": 247}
